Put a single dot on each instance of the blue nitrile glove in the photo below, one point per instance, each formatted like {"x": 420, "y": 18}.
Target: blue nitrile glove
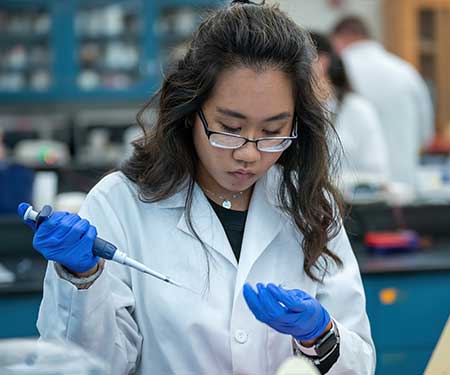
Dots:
{"x": 292, "y": 312}
{"x": 65, "y": 238}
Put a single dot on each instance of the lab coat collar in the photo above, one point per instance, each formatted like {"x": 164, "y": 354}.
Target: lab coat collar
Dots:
{"x": 264, "y": 221}
{"x": 177, "y": 200}
{"x": 270, "y": 181}
{"x": 207, "y": 225}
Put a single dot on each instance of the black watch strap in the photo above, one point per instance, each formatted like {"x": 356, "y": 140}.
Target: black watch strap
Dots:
{"x": 324, "y": 364}
{"x": 326, "y": 344}
{"x": 326, "y": 350}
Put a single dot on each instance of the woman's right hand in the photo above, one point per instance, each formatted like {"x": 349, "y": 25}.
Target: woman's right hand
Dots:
{"x": 65, "y": 238}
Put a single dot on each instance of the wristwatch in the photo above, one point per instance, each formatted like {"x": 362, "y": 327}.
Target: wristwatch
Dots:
{"x": 323, "y": 346}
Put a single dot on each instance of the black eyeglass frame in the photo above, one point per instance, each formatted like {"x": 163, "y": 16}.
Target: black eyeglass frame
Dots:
{"x": 210, "y": 132}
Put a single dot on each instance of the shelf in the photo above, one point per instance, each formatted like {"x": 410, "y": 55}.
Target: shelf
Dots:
{"x": 9, "y": 39}
{"x": 192, "y": 3}
{"x": 77, "y": 42}
{"x": 134, "y": 93}
{"x": 110, "y": 69}
{"x": 108, "y": 38}
{"x": 25, "y": 69}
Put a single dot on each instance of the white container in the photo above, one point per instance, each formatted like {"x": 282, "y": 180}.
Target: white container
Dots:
{"x": 69, "y": 201}
{"x": 39, "y": 357}
{"x": 45, "y": 187}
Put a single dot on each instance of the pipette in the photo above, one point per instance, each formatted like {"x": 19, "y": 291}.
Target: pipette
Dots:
{"x": 103, "y": 249}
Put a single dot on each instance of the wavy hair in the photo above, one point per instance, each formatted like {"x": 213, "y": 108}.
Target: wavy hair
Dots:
{"x": 336, "y": 71}
{"x": 256, "y": 36}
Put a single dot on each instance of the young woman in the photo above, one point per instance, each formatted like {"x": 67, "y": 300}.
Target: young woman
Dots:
{"x": 230, "y": 194}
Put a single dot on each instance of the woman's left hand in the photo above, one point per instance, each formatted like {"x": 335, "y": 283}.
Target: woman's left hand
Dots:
{"x": 292, "y": 312}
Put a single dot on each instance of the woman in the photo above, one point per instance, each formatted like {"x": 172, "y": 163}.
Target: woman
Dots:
{"x": 356, "y": 121}
{"x": 229, "y": 189}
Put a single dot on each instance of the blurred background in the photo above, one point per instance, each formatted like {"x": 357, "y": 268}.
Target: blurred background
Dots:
{"x": 74, "y": 73}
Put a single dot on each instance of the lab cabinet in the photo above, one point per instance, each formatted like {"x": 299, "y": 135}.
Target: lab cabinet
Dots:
{"x": 407, "y": 312}
{"x": 91, "y": 49}
{"x": 175, "y": 26}
{"x": 19, "y": 298}
{"x": 109, "y": 46}
{"x": 100, "y": 49}
{"x": 26, "y": 57}
{"x": 19, "y": 313}
{"x": 406, "y": 361}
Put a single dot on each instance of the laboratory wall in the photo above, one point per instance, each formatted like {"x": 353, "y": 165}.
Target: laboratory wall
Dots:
{"x": 321, "y": 15}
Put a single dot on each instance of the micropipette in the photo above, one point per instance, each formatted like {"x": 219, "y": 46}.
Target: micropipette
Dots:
{"x": 104, "y": 249}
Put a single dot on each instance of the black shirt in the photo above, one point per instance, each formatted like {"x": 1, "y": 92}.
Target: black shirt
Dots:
{"x": 233, "y": 223}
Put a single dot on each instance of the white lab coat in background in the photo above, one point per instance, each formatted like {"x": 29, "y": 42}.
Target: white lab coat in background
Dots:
{"x": 359, "y": 129}
{"x": 401, "y": 99}
{"x": 138, "y": 323}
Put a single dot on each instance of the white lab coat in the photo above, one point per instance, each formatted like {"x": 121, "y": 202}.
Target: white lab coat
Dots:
{"x": 402, "y": 101}
{"x": 138, "y": 323}
{"x": 362, "y": 139}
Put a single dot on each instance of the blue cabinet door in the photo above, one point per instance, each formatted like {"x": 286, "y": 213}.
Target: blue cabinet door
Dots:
{"x": 407, "y": 313}
{"x": 402, "y": 362}
{"x": 19, "y": 314}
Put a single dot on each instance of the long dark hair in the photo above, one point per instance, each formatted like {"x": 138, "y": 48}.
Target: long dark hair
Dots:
{"x": 336, "y": 71}
{"x": 257, "y": 36}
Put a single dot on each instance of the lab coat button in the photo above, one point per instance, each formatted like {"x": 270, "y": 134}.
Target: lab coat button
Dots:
{"x": 241, "y": 336}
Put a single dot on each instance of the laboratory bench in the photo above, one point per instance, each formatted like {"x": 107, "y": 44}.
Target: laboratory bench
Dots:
{"x": 408, "y": 303}
{"x": 408, "y": 296}
{"x": 20, "y": 300}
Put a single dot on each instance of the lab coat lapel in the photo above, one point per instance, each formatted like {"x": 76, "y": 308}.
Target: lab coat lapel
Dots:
{"x": 208, "y": 226}
{"x": 264, "y": 222}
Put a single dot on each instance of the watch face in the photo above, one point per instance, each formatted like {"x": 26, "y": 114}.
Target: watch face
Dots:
{"x": 325, "y": 346}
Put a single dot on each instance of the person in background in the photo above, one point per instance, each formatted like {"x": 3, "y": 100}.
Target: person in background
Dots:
{"x": 230, "y": 189}
{"x": 395, "y": 88}
{"x": 365, "y": 156}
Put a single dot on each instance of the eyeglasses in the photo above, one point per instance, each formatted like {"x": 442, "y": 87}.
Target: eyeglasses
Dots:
{"x": 235, "y": 141}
